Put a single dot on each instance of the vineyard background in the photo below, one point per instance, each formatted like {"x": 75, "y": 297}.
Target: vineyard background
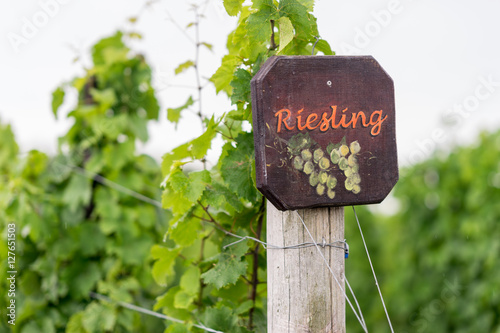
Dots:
{"x": 92, "y": 218}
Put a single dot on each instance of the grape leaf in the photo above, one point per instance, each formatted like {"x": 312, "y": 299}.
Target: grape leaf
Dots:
{"x": 75, "y": 324}
{"x": 230, "y": 265}
{"x": 237, "y": 167}
{"x": 77, "y": 192}
{"x": 174, "y": 114}
{"x": 190, "y": 280}
{"x": 167, "y": 301}
{"x": 98, "y": 318}
{"x": 221, "y": 319}
{"x": 286, "y": 32}
{"x": 106, "y": 97}
{"x": 90, "y": 237}
{"x": 202, "y": 144}
{"x": 164, "y": 264}
{"x": 198, "y": 181}
{"x": 241, "y": 86}
{"x": 183, "y": 300}
{"x": 259, "y": 22}
{"x": 177, "y": 328}
{"x": 184, "y": 230}
{"x": 324, "y": 47}
{"x": 224, "y": 74}
{"x": 184, "y": 66}
{"x": 57, "y": 100}
{"x": 233, "y": 7}
{"x": 309, "y": 4}
{"x": 207, "y": 45}
{"x": 302, "y": 21}
{"x": 219, "y": 196}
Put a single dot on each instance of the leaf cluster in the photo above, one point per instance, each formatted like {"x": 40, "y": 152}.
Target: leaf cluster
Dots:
{"x": 75, "y": 233}
{"x": 436, "y": 258}
{"x": 209, "y": 278}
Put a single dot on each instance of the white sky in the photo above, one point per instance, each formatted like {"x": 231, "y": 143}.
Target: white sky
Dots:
{"x": 441, "y": 56}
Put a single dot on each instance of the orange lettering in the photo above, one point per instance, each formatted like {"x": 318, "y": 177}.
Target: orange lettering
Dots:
{"x": 299, "y": 121}
{"x": 311, "y": 119}
{"x": 334, "y": 114}
{"x": 356, "y": 116}
{"x": 377, "y": 124}
{"x": 279, "y": 114}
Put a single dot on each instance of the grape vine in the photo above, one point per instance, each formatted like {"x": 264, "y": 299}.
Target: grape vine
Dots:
{"x": 224, "y": 287}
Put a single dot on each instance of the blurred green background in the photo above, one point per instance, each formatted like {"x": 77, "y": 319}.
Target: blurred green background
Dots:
{"x": 435, "y": 253}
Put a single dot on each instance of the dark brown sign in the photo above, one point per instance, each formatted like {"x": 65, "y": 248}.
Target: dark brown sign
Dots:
{"x": 324, "y": 130}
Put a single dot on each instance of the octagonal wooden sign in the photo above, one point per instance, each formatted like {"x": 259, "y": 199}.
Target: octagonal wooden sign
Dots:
{"x": 324, "y": 131}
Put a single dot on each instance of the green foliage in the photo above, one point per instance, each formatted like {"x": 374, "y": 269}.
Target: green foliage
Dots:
{"x": 437, "y": 257}
{"x": 209, "y": 279}
{"x": 75, "y": 234}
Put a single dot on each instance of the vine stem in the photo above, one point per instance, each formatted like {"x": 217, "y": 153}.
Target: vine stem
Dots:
{"x": 255, "y": 268}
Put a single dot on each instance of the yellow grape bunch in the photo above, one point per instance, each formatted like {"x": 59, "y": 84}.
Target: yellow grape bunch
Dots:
{"x": 320, "y": 166}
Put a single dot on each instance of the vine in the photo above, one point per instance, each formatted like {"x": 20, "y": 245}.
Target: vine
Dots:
{"x": 209, "y": 277}
{"x": 88, "y": 217}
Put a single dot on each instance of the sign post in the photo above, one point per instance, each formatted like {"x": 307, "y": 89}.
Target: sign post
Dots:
{"x": 324, "y": 131}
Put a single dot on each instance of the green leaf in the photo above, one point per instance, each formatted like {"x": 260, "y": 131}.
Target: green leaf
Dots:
{"x": 309, "y": 4}
{"x": 241, "y": 86}
{"x": 83, "y": 277}
{"x": 259, "y": 22}
{"x": 286, "y": 32}
{"x": 57, "y": 100}
{"x": 221, "y": 319}
{"x": 174, "y": 114}
{"x": 167, "y": 300}
{"x": 190, "y": 280}
{"x": 195, "y": 149}
{"x": 91, "y": 239}
{"x": 77, "y": 192}
{"x": 184, "y": 230}
{"x": 224, "y": 74}
{"x": 110, "y": 50}
{"x": 178, "y": 203}
{"x": 105, "y": 97}
{"x": 183, "y": 300}
{"x": 237, "y": 167}
{"x": 303, "y": 22}
{"x": 98, "y": 318}
{"x": 324, "y": 47}
{"x": 207, "y": 45}
{"x": 202, "y": 144}
{"x": 198, "y": 181}
{"x": 184, "y": 66}
{"x": 75, "y": 324}
{"x": 233, "y": 7}
{"x": 164, "y": 264}
{"x": 219, "y": 196}
{"x": 177, "y": 328}
{"x": 229, "y": 267}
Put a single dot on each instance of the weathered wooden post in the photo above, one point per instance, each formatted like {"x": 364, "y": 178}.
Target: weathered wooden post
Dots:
{"x": 324, "y": 138}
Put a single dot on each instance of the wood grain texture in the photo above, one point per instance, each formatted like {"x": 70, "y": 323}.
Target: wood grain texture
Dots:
{"x": 329, "y": 99}
{"x": 302, "y": 294}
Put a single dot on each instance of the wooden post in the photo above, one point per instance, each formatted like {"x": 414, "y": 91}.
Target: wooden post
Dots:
{"x": 324, "y": 134}
{"x": 302, "y": 293}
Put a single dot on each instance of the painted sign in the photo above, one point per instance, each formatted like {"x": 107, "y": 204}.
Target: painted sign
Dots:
{"x": 324, "y": 131}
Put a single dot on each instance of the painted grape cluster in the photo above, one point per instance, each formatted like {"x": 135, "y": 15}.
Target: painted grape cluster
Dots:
{"x": 321, "y": 166}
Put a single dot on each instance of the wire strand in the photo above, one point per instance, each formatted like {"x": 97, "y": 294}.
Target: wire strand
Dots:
{"x": 355, "y": 300}
{"x": 373, "y": 270}
{"x": 333, "y": 274}
{"x": 148, "y": 312}
{"x": 111, "y": 184}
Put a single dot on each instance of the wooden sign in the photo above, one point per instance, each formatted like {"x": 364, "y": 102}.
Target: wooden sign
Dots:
{"x": 324, "y": 130}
